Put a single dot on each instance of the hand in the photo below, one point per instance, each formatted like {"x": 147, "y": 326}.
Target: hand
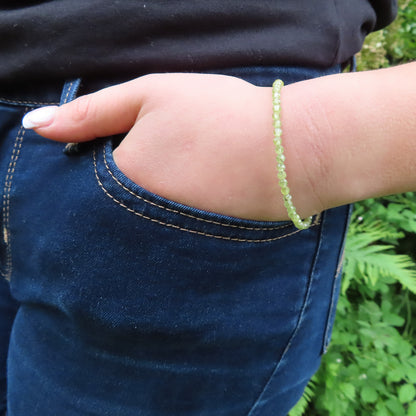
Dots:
{"x": 202, "y": 140}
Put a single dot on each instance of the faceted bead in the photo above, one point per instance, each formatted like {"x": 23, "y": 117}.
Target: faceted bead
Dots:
{"x": 291, "y": 211}
{"x": 281, "y": 158}
{"x": 281, "y": 175}
{"x": 278, "y": 146}
{"x": 279, "y": 153}
{"x": 285, "y": 189}
{"x": 277, "y": 131}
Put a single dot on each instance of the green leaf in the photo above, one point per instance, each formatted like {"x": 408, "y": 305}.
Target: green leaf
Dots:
{"x": 395, "y": 406}
{"x": 396, "y": 374}
{"x": 381, "y": 409}
{"x": 407, "y": 393}
{"x": 412, "y": 361}
{"x": 349, "y": 391}
{"x": 397, "y": 345}
{"x": 386, "y": 306}
{"x": 411, "y": 374}
{"x": 393, "y": 319}
{"x": 405, "y": 348}
{"x": 369, "y": 395}
{"x": 411, "y": 411}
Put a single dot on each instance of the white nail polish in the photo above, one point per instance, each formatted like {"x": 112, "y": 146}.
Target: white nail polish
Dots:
{"x": 39, "y": 117}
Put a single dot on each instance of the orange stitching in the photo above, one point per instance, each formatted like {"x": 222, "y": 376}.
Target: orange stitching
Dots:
{"x": 6, "y": 199}
{"x": 184, "y": 214}
{"x": 6, "y": 100}
{"x": 176, "y": 226}
{"x": 64, "y": 101}
{"x": 317, "y": 219}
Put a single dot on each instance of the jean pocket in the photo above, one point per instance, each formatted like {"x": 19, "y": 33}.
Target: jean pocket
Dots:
{"x": 147, "y": 205}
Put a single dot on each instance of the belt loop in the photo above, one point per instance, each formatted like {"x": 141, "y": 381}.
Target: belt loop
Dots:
{"x": 70, "y": 90}
{"x": 69, "y": 93}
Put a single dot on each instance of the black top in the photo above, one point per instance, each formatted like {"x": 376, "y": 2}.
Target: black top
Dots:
{"x": 58, "y": 39}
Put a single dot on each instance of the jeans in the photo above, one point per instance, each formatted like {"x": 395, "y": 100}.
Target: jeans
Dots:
{"x": 116, "y": 301}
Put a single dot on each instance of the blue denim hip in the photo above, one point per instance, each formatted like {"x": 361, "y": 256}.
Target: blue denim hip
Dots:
{"x": 131, "y": 304}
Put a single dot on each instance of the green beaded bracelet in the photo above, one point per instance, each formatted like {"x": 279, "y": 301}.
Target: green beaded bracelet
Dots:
{"x": 280, "y": 158}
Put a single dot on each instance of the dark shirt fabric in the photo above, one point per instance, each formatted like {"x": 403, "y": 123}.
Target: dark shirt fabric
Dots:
{"x": 60, "y": 39}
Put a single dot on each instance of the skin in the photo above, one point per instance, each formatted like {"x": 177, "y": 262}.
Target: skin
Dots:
{"x": 206, "y": 140}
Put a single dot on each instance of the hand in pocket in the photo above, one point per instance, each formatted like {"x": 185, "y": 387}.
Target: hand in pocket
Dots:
{"x": 201, "y": 140}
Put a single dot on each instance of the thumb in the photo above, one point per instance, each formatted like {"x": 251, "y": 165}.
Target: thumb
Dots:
{"x": 109, "y": 111}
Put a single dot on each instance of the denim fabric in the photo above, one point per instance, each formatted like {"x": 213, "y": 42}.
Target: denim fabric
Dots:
{"x": 131, "y": 304}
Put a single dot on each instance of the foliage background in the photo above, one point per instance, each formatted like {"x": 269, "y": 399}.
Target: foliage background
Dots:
{"x": 370, "y": 367}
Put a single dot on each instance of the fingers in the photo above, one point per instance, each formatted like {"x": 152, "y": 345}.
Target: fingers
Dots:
{"x": 110, "y": 111}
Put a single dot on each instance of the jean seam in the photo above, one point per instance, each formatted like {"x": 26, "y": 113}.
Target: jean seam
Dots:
{"x": 27, "y": 102}
{"x": 332, "y": 310}
{"x": 255, "y": 406}
{"x": 139, "y": 214}
{"x": 331, "y": 307}
{"x": 6, "y": 199}
{"x": 340, "y": 263}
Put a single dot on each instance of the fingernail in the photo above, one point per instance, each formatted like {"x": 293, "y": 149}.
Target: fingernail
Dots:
{"x": 39, "y": 118}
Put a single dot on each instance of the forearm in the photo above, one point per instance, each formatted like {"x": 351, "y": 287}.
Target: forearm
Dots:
{"x": 350, "y": 136}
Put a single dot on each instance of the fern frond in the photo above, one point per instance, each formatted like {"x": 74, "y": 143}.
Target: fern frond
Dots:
{"x": 397, "y": 266}
{"x": 303, "y": 403}
{"x": 372, "y": 261}
{"x": 375, "y": 231}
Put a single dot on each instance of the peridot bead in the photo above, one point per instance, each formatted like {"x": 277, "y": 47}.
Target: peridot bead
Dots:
{"x": 281, "y": 175}
{"x": 292, "y": 212}
{"x": 284, "y": 190}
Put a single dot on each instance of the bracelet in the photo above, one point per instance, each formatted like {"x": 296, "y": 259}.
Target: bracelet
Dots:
{"x": 280, "y": 158}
